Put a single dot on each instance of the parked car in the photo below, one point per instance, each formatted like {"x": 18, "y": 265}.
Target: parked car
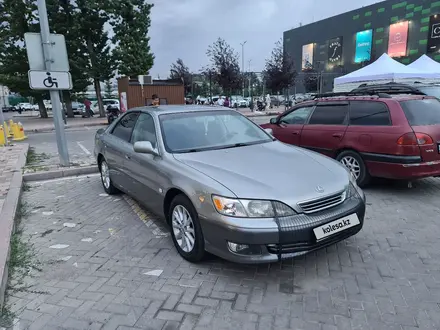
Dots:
{"x": 106, "y": 102}
{"x": 382, "y": 135}
{"x": 9, "y": 108}
{"x": 203, "y": 169}
{"x": 24, "y": 106}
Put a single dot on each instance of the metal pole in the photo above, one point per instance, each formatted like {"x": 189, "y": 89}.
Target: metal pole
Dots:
{"x": 2, "y": 118}
{"x": 54, "y": 95}
{"x": 242, "y": 62}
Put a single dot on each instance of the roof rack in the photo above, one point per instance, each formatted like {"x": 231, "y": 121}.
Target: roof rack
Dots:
{"x": 388, "y": 88}
{"x": 352, "y": 93}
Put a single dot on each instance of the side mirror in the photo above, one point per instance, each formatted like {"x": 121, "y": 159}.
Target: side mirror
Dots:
{"x": 100, "y": 131}
{"x": 269, "y": 131}
{"x": 274, "y": 121}
{"x": 144, "y": 147}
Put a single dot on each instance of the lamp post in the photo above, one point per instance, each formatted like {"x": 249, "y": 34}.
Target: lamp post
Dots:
{"x": 242, "y": 61}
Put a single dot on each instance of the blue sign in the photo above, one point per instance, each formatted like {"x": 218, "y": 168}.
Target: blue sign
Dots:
{"x": 364, "y": 40}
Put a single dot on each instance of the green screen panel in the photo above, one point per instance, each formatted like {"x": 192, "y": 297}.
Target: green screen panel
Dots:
{"x": 426, "y": 11}
{"x": 379, "y": 30}
{"x": 435, "y": 4}
{"x": 381, "y": 10}
{"x": 368, "y": 13}
{"x": 423, "y": 42}
{"x": 367, "y": 25}
{"x": 409, "y": 15}
{"x": 355, "y": 17}
{"x": 406, "y": 61}
{"x": 399, "y": 5}
{"x": 394, "y": 19}
{"x": 413, "y": 51}
{"x": 418, "y": 8}
{"x": 424, "y": 29}
{"x": 379, "y": 41}
{"x": 437, "y": 57}
{"x": 411, "y": 6}
{"x": 424, "y": 20}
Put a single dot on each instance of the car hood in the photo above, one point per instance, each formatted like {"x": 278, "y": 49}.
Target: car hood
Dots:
{"x": 271, "y": 170}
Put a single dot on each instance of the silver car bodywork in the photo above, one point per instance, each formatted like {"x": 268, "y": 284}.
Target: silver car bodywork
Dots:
{"x": 319, "y": 190}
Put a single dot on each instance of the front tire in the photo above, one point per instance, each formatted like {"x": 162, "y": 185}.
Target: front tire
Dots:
{"x": 106, "y": 179}
{"x": 354, "y": 162}
{"x": 185, "y": 229}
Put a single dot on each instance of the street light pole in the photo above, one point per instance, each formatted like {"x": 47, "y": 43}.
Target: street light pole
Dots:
{"x": 242, "y": 61}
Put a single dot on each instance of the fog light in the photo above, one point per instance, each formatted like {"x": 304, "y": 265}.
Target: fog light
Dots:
{"x": 237, "y": 247}
{"x": 244, "y": 249}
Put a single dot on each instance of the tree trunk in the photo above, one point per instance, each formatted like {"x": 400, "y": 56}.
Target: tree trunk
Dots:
{"x": 68, "y": 102}
{"x": 99, "y": 97}
{"x": 42, "y": 108}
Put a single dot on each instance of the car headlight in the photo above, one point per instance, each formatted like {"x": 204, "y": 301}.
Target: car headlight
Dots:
{"x": 250, "y": 208}
{"x": 353, "y": 186}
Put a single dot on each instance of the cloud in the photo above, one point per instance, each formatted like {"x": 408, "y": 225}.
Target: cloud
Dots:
{"x": 185, "y": 28}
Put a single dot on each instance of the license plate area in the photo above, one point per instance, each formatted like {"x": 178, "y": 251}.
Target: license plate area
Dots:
{"x": 334, "y": 227}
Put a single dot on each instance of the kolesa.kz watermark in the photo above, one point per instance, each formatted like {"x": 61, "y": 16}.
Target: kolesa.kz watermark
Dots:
{"x": 336, "y": 226}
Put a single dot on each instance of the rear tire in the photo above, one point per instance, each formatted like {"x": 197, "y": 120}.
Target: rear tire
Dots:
{"x": 106, "y": 179}
{"x": 354, "y": 162}
{"x": 186, "y": 230}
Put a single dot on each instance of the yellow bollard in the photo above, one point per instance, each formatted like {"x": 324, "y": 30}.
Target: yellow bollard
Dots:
{"x": 2, "y": 137}
{"x": 6, "y": 128}
{"x": 18, "y": 132}
{"x": 11, "y": 122}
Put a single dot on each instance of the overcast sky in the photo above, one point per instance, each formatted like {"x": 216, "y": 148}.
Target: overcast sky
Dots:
{"x": 185, "y": 28}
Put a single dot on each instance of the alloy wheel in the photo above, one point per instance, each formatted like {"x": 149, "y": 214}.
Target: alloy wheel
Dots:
{"x": 183, "y": 228}
{"x": 105, "y": 175}
{"x": 353, "y": 165}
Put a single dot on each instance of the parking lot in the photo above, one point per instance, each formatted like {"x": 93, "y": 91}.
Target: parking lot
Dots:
{"x": 108, "y": 264}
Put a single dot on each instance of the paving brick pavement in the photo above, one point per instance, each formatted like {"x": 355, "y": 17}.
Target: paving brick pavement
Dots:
{"x": 103, "y": 268}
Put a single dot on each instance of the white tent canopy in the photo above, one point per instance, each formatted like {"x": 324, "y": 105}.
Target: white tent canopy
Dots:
{"x": 385, "y": 68}
{"x": 425, "y": 63}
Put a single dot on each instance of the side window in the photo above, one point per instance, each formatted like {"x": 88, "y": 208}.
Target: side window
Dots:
{"x": 331, "y": 114}
{"x": 297, "y": 116}
{"x": 124, "y": 127}
{"x": 145, "y": 130}
{"x": 369, "y": 114}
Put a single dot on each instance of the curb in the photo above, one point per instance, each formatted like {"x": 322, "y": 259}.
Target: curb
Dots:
{"x": 7, "y": 223}
{"x": 62, "y": 173}
{"x": 51, "y": 129}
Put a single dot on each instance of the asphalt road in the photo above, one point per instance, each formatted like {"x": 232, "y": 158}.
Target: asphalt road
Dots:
{"x": 80, "y": 144}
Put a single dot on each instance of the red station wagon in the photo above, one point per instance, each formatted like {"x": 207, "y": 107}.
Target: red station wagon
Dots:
{"x": 383, "y": 135}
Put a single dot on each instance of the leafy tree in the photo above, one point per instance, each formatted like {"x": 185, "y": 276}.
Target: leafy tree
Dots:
{"x": 179, "y": 70}
{"x": 108, "y": 89}
{"x": 279, "y": 73}
{"x": 224, "y": 66}
{"x": 64, "y": 19}
{"x": 93, "y": 15}
{"x": 131, "y": 23}
{"x": 310, "y": 80}
{"x": 17, "y": 18}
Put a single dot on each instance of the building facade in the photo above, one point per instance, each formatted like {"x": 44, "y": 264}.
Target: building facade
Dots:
{"x": 338, "y": 45}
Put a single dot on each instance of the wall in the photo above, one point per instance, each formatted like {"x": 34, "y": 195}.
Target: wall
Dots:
{"x": 138, "y": 95}
{"x": 377, "y": 17}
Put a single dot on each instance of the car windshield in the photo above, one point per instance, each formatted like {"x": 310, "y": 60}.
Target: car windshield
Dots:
{"x": 431, "y": 90}
{"x": 209, "y": 130}
{"x": 422, "y": 112}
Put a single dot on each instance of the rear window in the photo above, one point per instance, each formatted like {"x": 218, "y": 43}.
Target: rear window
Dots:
{"x": 422, "y": 112}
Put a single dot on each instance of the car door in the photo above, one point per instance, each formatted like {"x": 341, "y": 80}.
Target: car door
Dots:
{"x": 326, "y": 128}
{"x": 289, "y": 126}
{"x": 143, "y": 169}
{"x": 115, "y": 147}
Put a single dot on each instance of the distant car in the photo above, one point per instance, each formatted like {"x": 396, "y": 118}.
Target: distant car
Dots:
{"x": 204, "y": 169}
{"x": 106, "y": 102}
{"x": 78, "y": 108}
{"x": 24, "y": 106}
{"x": 391, "y": 134}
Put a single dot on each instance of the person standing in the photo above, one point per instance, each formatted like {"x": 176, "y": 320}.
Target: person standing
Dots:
{"x": 156, "y": 100}
{"x": 88, "y": 106}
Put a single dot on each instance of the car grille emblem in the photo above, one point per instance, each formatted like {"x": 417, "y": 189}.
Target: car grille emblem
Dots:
{"x": 319, "y": 189}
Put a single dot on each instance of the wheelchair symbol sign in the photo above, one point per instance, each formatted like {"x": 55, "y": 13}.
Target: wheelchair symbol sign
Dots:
{"x": 50, "y": 82}
{"x": 54, "y": 80}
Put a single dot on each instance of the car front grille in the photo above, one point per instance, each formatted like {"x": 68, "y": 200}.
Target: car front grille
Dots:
{"x": 320, "y": 204}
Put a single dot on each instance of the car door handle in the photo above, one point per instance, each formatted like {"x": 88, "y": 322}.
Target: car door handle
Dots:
{"x": 337, "y": 135}
{"x": 127, "y": 157}
{"x": 295, "y": 133}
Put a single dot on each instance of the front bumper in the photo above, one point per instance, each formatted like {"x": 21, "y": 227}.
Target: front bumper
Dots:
{"x": 272, "y": 240}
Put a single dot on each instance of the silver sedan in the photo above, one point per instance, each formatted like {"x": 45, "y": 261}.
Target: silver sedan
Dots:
{"x": 227, "y": 186}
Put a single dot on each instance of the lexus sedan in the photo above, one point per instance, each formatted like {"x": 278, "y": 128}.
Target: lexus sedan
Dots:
{"x": 227, "y": 186}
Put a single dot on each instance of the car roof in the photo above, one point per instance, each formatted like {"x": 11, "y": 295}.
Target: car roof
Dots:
{"x": 167, "y": 109}
{"x": 397, "y": 97}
